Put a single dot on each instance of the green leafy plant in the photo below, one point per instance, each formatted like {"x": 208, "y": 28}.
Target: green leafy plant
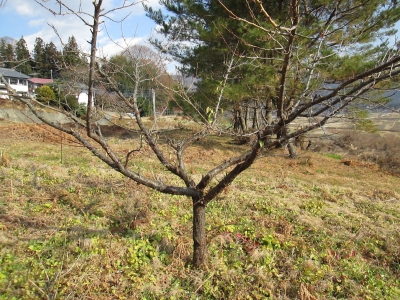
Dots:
{"x": 45, "y": 94}
{"x": 333, "y": 155}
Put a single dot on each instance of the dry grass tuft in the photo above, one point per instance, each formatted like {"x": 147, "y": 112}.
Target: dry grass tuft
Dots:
{"x": 304, "y": 293}
{"x": 5, "y": 159}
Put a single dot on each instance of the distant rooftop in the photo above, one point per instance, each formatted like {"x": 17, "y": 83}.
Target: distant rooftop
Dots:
{"x": 12, "y": 73}
{"x": 41, "y": 80}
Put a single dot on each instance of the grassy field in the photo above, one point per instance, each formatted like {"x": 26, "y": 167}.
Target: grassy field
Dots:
{"x": 320, "y": 226}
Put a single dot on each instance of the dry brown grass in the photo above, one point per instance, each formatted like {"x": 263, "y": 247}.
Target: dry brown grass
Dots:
{"x": 363, "y": 148}
{"x": 305, "y": 228}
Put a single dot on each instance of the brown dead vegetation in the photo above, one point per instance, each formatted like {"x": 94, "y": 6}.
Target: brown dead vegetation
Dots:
{"x": 294, "y": 227}
{"x": 363, "y": 149}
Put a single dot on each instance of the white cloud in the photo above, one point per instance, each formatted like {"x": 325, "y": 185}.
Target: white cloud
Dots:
{"x": 65, "y": 26}
{"x": 171, "y": 67}
{"x": 109, "y": 48}
{"x": 22, "y": 7}
{"x": 135, "y": 29}
{"x": 153, "y": 3}
{"x": 137, "y": 9}
{"x": 37, "y": 23}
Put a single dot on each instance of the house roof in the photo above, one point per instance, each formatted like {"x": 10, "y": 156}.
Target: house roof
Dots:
{"x": 12, "y": 73}
{"x": 41, "y": 80}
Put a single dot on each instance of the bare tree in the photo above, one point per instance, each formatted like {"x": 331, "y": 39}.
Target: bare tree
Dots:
{"x": 317, "y": 108}
{"x": 134, "y": 71}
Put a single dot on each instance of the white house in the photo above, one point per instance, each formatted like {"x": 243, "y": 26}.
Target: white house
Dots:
{"x": 83, "y": 91}
{"x": 17, "y": 81}
{"x": 83, "y": 98}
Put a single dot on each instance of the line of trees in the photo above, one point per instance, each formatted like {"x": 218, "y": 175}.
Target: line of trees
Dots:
{"x": 44, "y": 61}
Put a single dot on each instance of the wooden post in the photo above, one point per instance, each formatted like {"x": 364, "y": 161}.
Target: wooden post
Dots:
{"x": 61, "y": 148}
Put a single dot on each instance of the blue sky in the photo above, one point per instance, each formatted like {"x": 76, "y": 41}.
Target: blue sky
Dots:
{"x": 28, "y": 19}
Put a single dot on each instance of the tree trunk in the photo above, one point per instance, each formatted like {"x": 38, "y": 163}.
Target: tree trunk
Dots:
{"x": 255, "y": 116}
{"x": 292, "y": 149}
{"x": 243, "y": 125}
{"x": 238, "y": 121}
{"x": 278, "y": 136}
{"x": 268, "y": 112}
{"x": 199, "y": 233}
{"x": 246, "y": 115}
{"x": 290, "y": 144}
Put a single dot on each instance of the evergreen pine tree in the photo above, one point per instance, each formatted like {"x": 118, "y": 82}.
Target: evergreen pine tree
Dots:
{"x": 38, "y": 57}
{"x": 23, "y": 57}
{"x": 71, "y": 54}
{"x": 3, "y": 50}
{"x": 52, "y": 61}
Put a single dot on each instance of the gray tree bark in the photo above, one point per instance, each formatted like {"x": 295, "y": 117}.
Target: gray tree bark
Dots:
{"x": 199, "y": 233}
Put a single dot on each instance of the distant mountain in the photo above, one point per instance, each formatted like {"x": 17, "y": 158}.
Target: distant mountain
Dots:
{"x": 393, "y": 96}
{"x": 9, "y": 40}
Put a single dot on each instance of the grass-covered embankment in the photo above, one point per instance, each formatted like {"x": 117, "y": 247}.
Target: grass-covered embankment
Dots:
{"x": 304, "y": 228}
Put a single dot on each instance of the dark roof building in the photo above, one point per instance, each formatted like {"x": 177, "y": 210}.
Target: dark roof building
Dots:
{"x": 13, "y": 74}
{"x": 16, "y": 80}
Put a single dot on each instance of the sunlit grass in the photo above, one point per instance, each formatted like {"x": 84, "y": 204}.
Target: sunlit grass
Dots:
{"x": 77, "y": 229}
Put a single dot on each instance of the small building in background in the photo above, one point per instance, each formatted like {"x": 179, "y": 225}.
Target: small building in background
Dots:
{"x": 83, "y": 91}
{"x": 34, "y": 83}
{"x": 17, "y": 81}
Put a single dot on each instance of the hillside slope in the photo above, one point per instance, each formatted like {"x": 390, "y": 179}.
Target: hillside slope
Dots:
{"x": 306, "y": 228}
